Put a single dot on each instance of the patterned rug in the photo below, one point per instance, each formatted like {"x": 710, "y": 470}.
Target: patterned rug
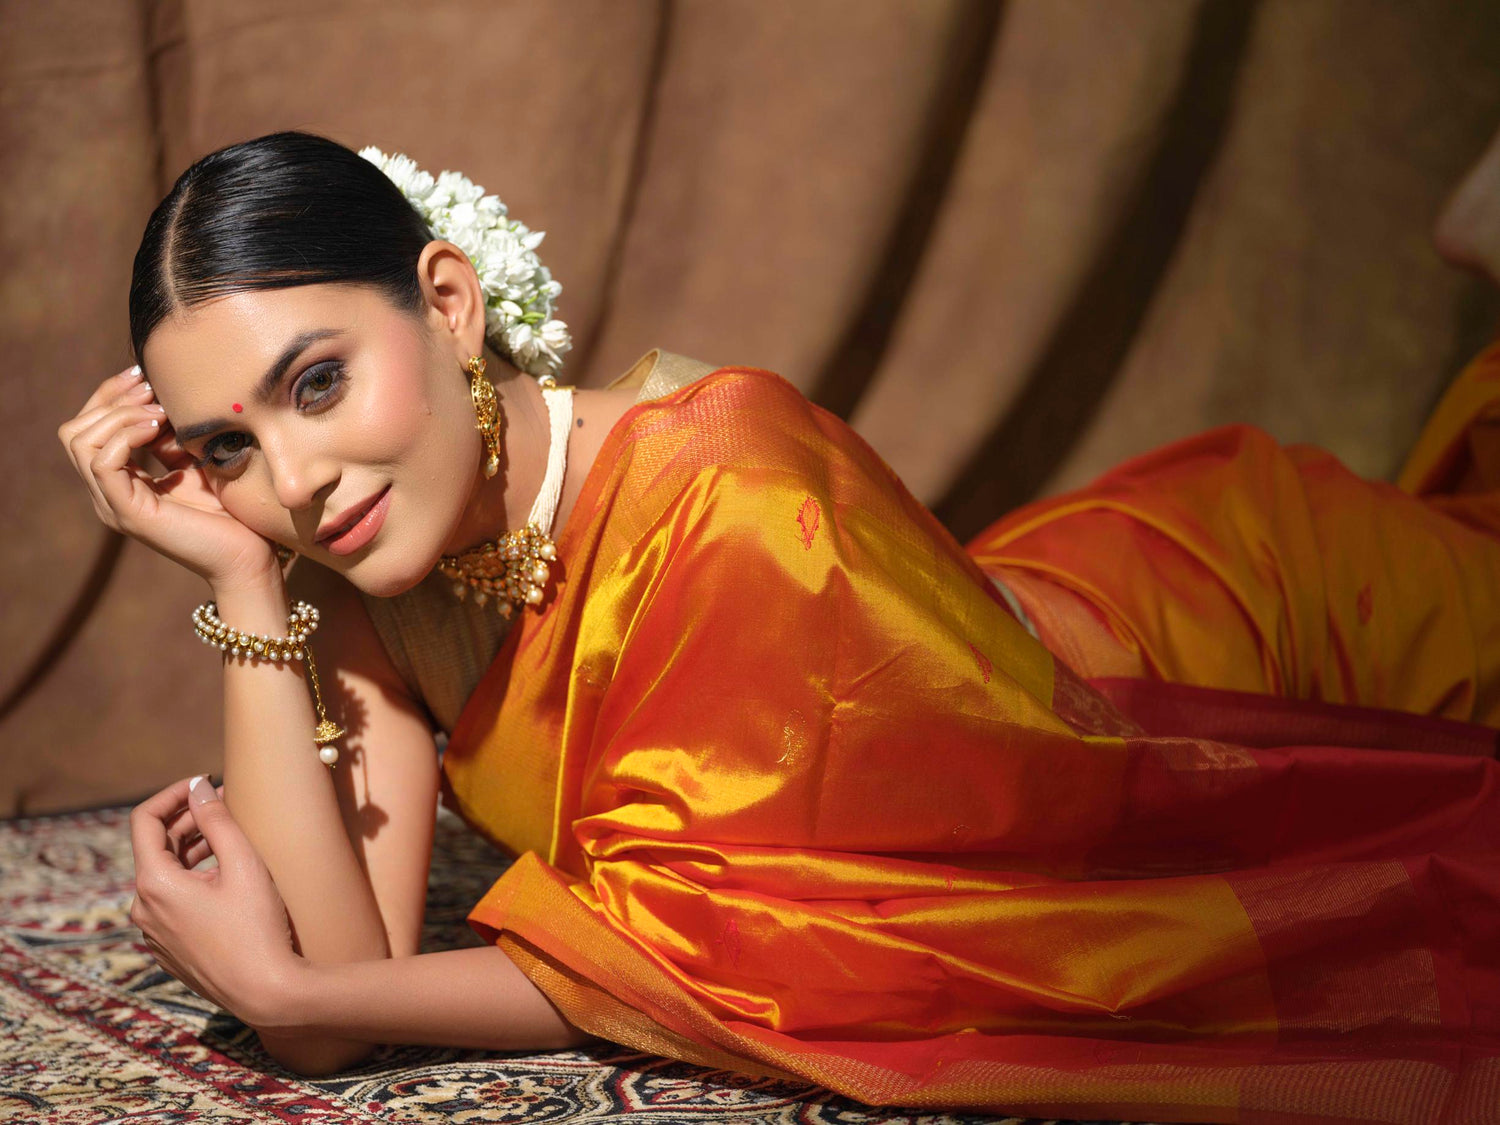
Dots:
{"x": 92, "y": 1031}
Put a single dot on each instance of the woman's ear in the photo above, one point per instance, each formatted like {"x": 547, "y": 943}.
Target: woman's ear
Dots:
{"x": 455, "y": 299}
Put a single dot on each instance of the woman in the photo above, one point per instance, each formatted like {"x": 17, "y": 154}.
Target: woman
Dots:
{"x": 795, "y": 788}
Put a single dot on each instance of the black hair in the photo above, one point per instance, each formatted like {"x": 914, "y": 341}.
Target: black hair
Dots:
{"x": 284, "y": 209}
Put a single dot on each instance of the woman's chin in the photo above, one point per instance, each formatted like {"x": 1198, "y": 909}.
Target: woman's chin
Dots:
{"x": 386, "y": 582}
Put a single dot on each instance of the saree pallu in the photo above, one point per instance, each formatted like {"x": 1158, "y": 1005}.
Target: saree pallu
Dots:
{"x": 1226, "y": 561}
{"x": 794, "y": 794}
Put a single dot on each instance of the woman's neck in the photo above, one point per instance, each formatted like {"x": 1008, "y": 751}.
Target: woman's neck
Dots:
{"x": 502, "y": 503}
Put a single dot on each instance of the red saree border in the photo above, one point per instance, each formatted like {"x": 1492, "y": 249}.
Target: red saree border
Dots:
{"x": 1265, "y": 722}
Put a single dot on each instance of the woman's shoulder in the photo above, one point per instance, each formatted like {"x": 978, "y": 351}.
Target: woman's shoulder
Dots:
{"x": 746, "y": 443}
{"x": 690, "y": 415}
{"x": 743, "y": 416}
{"x": 659, "y": 375}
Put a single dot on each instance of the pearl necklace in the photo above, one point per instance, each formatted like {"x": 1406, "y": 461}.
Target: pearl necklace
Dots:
{"x": 513, "y": 568}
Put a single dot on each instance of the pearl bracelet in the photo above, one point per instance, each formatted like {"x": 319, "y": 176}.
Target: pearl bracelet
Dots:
{"x": 212, "y": 631}
{"x": 301, "y": 622}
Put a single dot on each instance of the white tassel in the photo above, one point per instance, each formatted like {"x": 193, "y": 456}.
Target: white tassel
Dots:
{"x": 560, "y": 413}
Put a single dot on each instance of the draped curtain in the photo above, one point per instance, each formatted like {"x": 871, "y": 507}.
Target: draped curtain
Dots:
{"x": 1010, "y": 243}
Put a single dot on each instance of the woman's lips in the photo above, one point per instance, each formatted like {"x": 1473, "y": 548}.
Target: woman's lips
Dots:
{"x": 362, "y": 532}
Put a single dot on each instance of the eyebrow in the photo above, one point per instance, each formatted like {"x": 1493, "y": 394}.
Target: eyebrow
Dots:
{"x": 267, "y": 385}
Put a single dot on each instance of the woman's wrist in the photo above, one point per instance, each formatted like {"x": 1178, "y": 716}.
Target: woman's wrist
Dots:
{"x": 253, "y": 605}
{"x": 266, "y": 578}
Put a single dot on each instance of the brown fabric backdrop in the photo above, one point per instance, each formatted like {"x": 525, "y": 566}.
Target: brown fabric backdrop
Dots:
{"x": 1012, "y": 243}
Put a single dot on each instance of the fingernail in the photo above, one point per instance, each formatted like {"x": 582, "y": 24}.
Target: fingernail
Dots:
{"x": 134, "y": 372}
{"x": 201, "y": 793}
{"x": 155, "y": 408}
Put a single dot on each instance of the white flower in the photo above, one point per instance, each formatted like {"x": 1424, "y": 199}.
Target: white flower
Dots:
{"x": 518, "y": 337}
{"x": 554, "y": 334}
{"x": 454, "y": 188}
{"x": 414, "y": 183}
{"x": 519, "y": 290}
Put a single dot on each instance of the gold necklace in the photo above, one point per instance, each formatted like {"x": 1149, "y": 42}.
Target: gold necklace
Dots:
{"x": 513, "y": 568}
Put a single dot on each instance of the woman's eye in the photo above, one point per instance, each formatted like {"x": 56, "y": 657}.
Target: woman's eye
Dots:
{"x": 318, "y": 384}
{"x": 233, "y": 443}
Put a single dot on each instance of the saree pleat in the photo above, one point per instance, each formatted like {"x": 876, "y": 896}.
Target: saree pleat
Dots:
{"x": 793, "y": 793}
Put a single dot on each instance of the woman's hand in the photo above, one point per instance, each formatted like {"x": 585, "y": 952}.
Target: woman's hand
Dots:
{"x": 177, "y": 513}
{"x": 223, "y": 932}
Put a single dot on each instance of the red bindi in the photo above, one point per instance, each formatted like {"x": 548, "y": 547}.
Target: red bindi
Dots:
{"x": 238, "y": 409}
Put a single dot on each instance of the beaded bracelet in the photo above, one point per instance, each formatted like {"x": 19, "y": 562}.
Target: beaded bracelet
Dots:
{"x": 301, "y": 623}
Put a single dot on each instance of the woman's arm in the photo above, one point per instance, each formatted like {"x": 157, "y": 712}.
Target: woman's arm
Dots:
{"x": 353, "y": 874}
{"x": 457, "y": 998}
{"x": 283, "y": 798}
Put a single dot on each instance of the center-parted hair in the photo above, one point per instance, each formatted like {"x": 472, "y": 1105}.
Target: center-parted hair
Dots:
{"x": 281, "y": 210}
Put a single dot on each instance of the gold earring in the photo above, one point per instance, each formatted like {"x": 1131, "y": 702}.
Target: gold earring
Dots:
{"x": 487, "y": 410}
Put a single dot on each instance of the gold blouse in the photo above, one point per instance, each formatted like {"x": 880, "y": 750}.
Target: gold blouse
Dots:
{"x": 441, "y": 645}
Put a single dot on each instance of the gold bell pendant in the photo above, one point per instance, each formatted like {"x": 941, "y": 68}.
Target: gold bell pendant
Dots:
{"x": 326, "y": 730}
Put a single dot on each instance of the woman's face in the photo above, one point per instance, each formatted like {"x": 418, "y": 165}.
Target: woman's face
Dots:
{"x": 307, "y": 405}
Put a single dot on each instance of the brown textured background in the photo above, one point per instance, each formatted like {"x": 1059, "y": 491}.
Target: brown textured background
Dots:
{"x": 1012, "y": 243}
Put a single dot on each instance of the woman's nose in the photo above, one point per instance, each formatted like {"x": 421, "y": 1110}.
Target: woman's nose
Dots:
{"x": 299, "y": 475}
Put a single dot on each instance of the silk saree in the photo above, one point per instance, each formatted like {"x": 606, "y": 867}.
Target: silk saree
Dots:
{"x": 795, "y": 793}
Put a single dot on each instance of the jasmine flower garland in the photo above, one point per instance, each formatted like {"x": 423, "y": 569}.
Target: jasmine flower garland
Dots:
{"x": 519, "y": 290}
